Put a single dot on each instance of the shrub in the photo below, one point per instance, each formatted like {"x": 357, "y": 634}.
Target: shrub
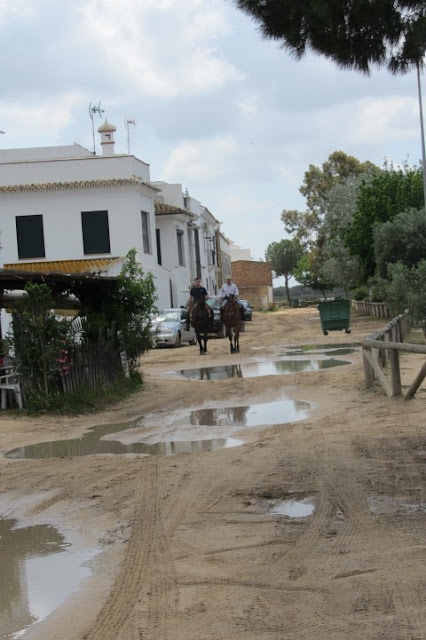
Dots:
{"x": 360, "y": 293}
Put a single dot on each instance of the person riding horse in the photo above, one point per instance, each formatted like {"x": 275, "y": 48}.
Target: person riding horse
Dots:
{"x": 229, "y": 288}
{"x": 196, "y": 292}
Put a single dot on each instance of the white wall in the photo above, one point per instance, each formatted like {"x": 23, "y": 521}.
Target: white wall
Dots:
{"x": 61, "y": 211}
{"x": 71, "y": 169}
{"x": 237, "y": 253}
{"x": 179, "y": 275}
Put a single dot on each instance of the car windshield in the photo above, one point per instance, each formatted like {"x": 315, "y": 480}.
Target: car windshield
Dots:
{"x": 213, "y": 302}
{"x": 168, "y": 315}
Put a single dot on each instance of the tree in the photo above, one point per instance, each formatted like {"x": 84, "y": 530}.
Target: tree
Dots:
{"x": 380, "y": 199}
{"x": 402, "y": 239}
{"x": 317, "y": 184}
{"x": 135, "y": 305}
{"x": 308, "y": 273}
{"x": 38, "y": 340}
{"x": 354, "y": 35}
{"x": 338, "y": 265}
{"x": 406, "y": 289}
{"x": 284, "y": 256}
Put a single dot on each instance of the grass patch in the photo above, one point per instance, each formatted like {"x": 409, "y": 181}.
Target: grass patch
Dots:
{"x": 416, "y": 336}
{"x": 84, "y": 400}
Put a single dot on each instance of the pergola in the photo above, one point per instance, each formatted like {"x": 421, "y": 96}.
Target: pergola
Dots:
{"x": 62, "y": 286}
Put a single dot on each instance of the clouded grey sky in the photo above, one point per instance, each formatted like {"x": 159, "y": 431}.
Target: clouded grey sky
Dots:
{"x": 217, "y": 108}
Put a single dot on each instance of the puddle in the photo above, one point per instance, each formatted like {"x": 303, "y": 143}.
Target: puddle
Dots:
{"x": 38, "y": 573}
{"x": 325, "y": 349}
{"x": 168, "y": 433}
{"x": 383, "y": 505}
{"x": 301, "y": 508}
{"x": 255, "y": 369}
{"x": 328, "y": 348}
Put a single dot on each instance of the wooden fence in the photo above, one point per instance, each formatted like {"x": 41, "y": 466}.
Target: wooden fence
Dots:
{"x": 92, "y": 366}
{"x": 383, "y": 347}
{"x": 377, "y": 309}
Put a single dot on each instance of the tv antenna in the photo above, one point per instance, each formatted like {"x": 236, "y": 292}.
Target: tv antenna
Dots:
{"x": 129, "y": 123}
{"x": 93, "y": 110}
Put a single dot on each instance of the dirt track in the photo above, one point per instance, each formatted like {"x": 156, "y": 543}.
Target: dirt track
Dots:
{"x": 189, "y": 550}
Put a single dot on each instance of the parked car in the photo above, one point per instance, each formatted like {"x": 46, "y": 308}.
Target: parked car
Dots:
{"x": 169, "y": 328}
{"x": 248, "y": 310}
{"x": 218, "y": 327}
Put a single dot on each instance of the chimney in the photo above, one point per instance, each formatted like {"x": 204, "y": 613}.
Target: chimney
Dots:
{"x": 107, "y": 138}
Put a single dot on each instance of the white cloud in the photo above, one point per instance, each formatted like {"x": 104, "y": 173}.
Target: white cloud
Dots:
{"x": 157, "y": 53}
{"x": 28, "y": 120}
{"x": 199, "y": 161}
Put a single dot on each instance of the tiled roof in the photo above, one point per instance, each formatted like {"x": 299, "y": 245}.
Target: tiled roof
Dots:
{"x": 168, "y": 209}
{"x": 92, "y": 265}
{"x": 77, "y": 184}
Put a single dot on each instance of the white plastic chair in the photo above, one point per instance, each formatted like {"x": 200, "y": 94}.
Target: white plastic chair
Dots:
{"x": 9, "y": 381}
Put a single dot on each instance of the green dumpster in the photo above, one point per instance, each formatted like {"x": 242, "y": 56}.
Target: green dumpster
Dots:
{"x": 294, "y": 304}
{"x": 335, "y": 315}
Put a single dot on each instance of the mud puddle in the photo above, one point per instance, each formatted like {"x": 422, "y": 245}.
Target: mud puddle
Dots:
{"x": 170, "y": 433}
{"x": 256, "y": 369}
{"x": 290, "y": 507}
{"x": 39, "y": 571}
{"x": 293, "y": 508}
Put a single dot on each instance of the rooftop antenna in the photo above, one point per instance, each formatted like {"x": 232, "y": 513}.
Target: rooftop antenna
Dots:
{"x": 93, "y": 110}
{"x": 129, "y": 123}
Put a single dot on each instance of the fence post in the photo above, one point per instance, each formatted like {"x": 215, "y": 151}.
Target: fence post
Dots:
{"x": 368, "y": 369}
{"x": 395, "y": 372}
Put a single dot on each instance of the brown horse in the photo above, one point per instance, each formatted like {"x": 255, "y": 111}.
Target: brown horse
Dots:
{"x": 232, "y": 319}
{"x": 201, "y": 320}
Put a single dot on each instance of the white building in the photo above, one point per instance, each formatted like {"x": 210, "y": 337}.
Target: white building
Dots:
{"x": 238, "y": 253}
{"x": 200, "y": 240}
{"x": 65, "y": 209}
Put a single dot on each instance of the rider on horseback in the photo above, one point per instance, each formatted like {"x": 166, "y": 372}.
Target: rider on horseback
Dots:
{"x": 196, "y": 292}
{"x": 229, "y": 288}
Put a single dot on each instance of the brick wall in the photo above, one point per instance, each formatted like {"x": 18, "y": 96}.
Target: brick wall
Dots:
{"x": 254, "y": 282}
{"x": 250, "y": 273}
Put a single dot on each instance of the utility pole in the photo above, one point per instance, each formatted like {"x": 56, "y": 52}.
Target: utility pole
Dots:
{"x": 422, "y": 130}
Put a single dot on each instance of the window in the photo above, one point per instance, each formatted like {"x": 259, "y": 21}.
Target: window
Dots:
{"x": 158, "y": 239}
{"x": 95, "y": 232}
{"x": 181, "y": 254}
{"x": 30, "y": 236}
{"x": 145, "y": 232}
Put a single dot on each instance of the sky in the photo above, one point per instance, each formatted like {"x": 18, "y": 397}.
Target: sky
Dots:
{"x": 229, "y": 115}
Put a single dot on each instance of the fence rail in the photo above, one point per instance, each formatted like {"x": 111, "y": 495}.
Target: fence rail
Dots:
{"x": 384, "y": 346}
{"x": 376, "y": 309}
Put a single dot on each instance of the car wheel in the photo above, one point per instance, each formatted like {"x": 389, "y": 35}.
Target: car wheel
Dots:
{"x": 193, "y": 341}
{"x": 178, "y": 340}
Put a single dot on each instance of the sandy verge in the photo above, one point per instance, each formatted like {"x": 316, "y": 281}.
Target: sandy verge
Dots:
{"x": 190, "y": 551}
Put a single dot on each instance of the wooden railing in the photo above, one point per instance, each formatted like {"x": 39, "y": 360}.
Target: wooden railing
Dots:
{"x": 384, "y": 346}
{"x": 377, "y": 309}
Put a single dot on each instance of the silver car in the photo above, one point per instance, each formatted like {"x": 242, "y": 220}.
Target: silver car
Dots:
{"x": 169, "y": 328}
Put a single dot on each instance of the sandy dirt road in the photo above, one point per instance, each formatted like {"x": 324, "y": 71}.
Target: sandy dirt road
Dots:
{"x": 190, "y": 550}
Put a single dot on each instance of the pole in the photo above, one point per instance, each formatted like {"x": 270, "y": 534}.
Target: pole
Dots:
{"x": 422, "y": 130}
